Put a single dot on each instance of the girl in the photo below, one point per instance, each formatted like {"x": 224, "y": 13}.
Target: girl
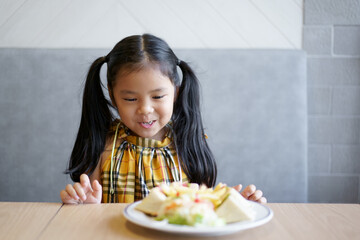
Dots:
{"x": 159, "y": 137}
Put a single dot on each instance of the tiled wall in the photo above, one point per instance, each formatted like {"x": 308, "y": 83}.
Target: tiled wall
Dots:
{"x": 332, "y": 42}
{"x": 183, "y": 24}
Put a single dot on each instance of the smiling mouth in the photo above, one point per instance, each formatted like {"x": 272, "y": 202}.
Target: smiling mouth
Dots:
{"x": 147, "y": 124}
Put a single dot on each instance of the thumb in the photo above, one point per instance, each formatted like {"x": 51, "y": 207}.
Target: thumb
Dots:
{"x": 97, "y": 190}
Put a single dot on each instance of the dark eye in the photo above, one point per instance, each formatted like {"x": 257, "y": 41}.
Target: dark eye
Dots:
{"x": 158, "y": 97}
{"x": 130, "y": 99}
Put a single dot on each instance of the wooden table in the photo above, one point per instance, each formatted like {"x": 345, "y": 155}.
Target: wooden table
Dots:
{"x": 105, "y": 221}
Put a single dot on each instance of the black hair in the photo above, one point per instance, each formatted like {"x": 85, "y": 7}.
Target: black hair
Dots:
{"x": 131, "y": 54}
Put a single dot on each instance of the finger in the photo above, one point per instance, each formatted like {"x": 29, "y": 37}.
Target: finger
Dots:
{"x": 256, "y": 195}
{"x": 262, "y": 200}
{"x": 238, "y": 187}
{"x": 248, "y": 191}
{"x": 80, "y": 191}
{"x": 85, "y": 182}
{"x": 66, "y": 198}
{"x": 71, "y": 192}
{"x": 97, "y": 190}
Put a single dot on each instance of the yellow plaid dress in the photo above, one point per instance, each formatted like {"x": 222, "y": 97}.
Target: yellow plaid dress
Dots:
{"x": 136, "y": 165}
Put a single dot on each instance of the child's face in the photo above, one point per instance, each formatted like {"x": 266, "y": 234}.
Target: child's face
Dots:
{"x": 144, "y": 100}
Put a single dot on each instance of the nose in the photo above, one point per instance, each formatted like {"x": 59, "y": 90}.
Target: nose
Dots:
{"x": 145, "y": 108}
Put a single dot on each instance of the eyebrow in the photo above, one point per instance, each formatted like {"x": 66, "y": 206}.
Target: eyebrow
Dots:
{"x": 127, "y": 92}
{"x": 132, "y": 92}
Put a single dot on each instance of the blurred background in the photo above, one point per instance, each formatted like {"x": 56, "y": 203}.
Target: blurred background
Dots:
{"x": 328, "y": 31}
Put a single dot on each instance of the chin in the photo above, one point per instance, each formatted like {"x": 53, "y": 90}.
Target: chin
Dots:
{"x": 147, "y": 134}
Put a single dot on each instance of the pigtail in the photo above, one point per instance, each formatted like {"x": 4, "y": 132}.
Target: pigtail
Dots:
{"x": 94, "y": 125}
{"x": 192, "y": 148}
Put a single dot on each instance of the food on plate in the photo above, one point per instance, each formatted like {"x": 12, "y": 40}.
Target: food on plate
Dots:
{"x": 235, "y": 208}
{"x": 194, "y": 205}
{"x": 183, "y": 210}
{"x": 150, "y": 205}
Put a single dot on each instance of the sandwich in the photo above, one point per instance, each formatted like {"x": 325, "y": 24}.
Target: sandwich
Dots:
{"x": 194, "y": 205}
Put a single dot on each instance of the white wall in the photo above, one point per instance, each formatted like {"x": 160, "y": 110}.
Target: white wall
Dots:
{"x": 182, "y": 23}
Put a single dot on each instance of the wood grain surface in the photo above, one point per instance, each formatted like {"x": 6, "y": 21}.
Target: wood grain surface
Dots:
{"x": 25, "y": 220}
{"x": 106, "y": 221}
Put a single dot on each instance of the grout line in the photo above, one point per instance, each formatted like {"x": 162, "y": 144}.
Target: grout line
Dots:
{"x": 83, "y": 35}
{"x": 299, "y": 5}
{"x": 332, "y": 40}
{"x": 346, "y": 86}
{"x": 49, "y": 23}
{"x": 331, "y": 112}
{"x": 13, "y": 13}
{"x": 333, "y": 174}
{"x": 334, "y": 86}
{"x": 334, "y": 56}
{"x": 319, "y": 145}
{"x": 345, "y": 56}
{"x": 359, "y": 190}
{"x": 133, "y": 16}
{"x": 274, "y": 25}
{"x": 330, "y": 159}
{"x": 187, "y": 25}
{"x": 318, "y": 26}
{"x": 332, "y": 116}
{"x": 46, "y": 226}
{"x": 335, "y": 145}
{"x": 229, "y": 24}
{"x": 335, "y": 116}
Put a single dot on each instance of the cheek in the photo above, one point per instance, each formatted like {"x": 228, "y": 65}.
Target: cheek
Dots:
{"x": 124, "y": 112}
{"x": 167, "y": 110}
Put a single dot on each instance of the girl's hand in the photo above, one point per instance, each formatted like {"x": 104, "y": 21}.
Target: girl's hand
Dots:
{"x": 82, "y": 192}
{"x": 250, "y": 193}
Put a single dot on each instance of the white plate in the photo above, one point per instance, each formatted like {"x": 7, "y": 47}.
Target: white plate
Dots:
{"x": 263, "y": 215}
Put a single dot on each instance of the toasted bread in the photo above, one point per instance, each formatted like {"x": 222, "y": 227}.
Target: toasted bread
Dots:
{"x": 151, "y": 204}
{"x": 235, "y": 208}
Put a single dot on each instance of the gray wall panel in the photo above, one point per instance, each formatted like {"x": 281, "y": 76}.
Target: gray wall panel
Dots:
{"x": 255, "y": 111}
{"x": 254, "y": 108}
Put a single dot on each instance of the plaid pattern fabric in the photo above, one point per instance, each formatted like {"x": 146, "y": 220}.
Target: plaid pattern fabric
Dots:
{"x": 139, "y": 164}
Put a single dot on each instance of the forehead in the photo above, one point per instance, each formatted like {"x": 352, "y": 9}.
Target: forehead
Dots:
{"x": 147, "y": 77}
